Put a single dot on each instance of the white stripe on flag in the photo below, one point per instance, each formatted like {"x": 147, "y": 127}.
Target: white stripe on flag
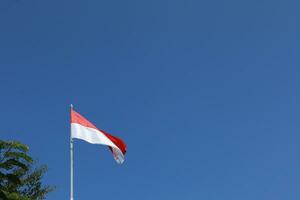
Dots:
{"x": 95, "y": 136}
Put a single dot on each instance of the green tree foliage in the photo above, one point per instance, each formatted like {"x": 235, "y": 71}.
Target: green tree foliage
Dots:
{"x": 19, "y": 178}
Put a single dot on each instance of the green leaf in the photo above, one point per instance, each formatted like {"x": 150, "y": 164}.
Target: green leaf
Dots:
{"x": 18, "y": 155}
{"x": 13, "y": 145}
{"x": 13, "y": 178}
{"x": 11, "y": 163}
{"x": 2, "y": 195}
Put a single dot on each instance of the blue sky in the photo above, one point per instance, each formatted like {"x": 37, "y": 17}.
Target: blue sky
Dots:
{"x": 205, "y": 94}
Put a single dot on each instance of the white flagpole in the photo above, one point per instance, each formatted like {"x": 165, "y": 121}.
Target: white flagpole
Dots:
{"x": 71, "y": 164}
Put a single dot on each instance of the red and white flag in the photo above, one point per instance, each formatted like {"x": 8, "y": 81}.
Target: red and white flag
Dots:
{"x": 81, "y": 128}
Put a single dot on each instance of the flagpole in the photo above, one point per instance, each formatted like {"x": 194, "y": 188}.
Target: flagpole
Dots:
{"x": 71, "y": 163}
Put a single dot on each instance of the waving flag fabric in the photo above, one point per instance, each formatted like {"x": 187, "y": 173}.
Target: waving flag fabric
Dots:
{"x": 82, "y": 129}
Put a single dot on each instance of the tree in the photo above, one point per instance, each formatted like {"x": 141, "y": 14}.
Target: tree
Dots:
{"x": 20, "y": 179}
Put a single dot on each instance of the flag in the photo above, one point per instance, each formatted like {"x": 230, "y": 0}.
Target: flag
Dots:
{"x": 82, "y": 129}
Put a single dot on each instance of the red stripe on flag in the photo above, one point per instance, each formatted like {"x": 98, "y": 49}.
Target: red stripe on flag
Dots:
{"x": 117, "y": 141}
{"x": 78, "y": 119}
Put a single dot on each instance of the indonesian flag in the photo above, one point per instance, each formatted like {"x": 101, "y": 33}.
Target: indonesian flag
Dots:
{"x": 82, "y": 129}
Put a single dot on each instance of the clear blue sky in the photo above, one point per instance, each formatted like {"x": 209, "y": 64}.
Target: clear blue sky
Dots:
{"x": 205, "y": 94}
